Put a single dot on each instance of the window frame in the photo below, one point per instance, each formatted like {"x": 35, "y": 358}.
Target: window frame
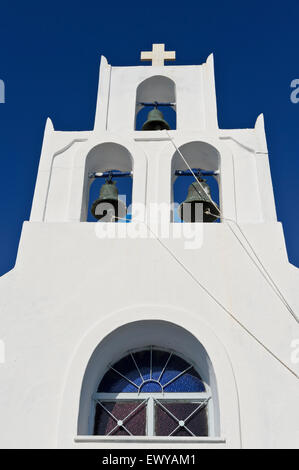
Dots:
{"x": 150, "y": 399}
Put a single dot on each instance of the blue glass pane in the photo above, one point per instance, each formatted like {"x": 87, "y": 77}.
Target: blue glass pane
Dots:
{"x": 188, "y": 382}
{"x": 114, "y": 383}
{"x": 158, "y": 362}
{"x": 175, "y": 366}
{"x": 151, "y": 387}
{"x": 143, "y": 359}
{"x": 127, "y": 367}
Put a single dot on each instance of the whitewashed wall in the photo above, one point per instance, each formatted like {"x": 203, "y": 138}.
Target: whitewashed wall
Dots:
{"x": 70, "y": 288}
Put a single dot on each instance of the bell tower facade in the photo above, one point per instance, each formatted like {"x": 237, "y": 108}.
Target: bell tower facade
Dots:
{"x": 114, "y": 299}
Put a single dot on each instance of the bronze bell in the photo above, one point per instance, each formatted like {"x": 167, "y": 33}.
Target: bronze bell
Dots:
{"x": 155, "y": 121}
{"x": 108, "y": 206}
{"x": 198, "y": 206}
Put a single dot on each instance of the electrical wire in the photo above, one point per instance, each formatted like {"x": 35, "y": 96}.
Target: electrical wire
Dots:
{"x": 213, "y": 297}
{"x": 267, "y": 276}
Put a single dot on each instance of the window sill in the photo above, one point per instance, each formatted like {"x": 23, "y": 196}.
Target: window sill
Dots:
{"x": 149, "y": 439}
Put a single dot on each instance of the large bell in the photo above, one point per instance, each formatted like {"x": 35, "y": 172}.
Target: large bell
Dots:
{"x": 198, "y": 206}
{"x": 155, "y": 121}
{"x": 108, "y": 206}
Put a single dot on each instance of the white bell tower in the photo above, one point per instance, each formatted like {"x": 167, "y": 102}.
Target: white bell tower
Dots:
{"x": 219, "y": 297}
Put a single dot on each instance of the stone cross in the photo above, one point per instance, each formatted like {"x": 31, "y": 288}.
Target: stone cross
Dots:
{"x": 158, "y": 55}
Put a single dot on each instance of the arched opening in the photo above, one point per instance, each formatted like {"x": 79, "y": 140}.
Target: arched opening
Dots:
{"x": 109, "y": 174}
{"x": 155, "y": 93}
{"x": 164, "y": 387}
{"x": 205, "y": 163}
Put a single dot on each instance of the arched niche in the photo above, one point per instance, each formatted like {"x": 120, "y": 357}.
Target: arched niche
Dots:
{"x": 198, "y": 155}
{"x": 157, "y": 88}
{"x": 137, "y": 335}
{"x": 104, "y": 157}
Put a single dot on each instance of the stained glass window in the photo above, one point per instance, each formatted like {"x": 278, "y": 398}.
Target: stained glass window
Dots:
{"x": 181, "y": 418}
{"x": 120, "y": 418}
{"x": 152, "y": 392}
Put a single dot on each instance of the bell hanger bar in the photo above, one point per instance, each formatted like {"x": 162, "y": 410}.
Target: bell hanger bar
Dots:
{"x": 196, "y": 171}
{"x": 155, "y": 104}
{"x": 111, "y": 174}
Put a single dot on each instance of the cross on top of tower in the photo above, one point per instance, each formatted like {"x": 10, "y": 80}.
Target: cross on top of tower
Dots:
{"x": 157, "y": 55}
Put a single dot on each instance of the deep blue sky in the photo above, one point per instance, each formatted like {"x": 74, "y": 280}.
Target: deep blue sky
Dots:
{"x": 49, "y": 59}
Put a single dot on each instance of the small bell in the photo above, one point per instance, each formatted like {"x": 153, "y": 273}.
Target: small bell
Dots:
{"x": 155, "y": 121}
{"x": 108, "y": 206}
{"x": 198, "y": 206}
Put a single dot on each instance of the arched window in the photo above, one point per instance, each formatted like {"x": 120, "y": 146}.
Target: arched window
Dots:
{"x": 152, "y": 392}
